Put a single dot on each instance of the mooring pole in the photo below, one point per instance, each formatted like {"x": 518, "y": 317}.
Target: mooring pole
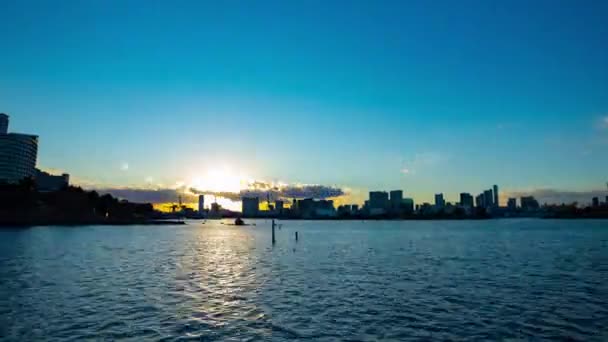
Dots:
{"x": 296, "y": 236}
{"x": 273, "y": 239}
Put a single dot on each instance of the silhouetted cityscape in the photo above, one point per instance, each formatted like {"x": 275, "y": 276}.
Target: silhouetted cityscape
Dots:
{"x": 18, "y": 174}
{"x": 392, "y": 205}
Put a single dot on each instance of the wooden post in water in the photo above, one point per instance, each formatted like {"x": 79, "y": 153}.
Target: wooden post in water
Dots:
{"x": 273, "y": 239}
{"x": 296, "y": 236}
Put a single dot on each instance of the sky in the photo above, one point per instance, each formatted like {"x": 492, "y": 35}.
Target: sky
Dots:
{"x": 428, "y": 97}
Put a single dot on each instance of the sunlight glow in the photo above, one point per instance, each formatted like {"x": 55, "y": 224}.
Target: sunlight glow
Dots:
{"x": 220, "y": 180}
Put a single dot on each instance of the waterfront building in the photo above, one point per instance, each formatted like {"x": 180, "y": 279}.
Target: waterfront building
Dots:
{"x": 324, "y": 208}
{"x": 480, "y": 201}
{"x": 278, "y": 205}
{"x": 250, "y": 206}
{"x": 201, "y": 204}
{"x": 425, "y": 208}
{"x": 3, "y": 123}
{"x": 529, "y": 203}
{"x": 18, "y": 154}
{"x": 396, "y": 199}
{"x": 215, "y": 211}
{"x": 496, "y": 197}
{"x": 309, "y": 208}
{"x": 306, "y": 207}
{"x": 595, "y": 202}
{"x": 466, "y": 200}
{"x": 46, "y": 182}
{"x": 378, "y": 202}
{"x": 408, "y": 205}
{"x": 488, "y": 199}
{"x": 512, "y": 204}
{"x": 345, "y": 210}
{"x": 439, "y": 201}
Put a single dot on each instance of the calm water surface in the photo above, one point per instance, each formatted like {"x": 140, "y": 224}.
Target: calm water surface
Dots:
{"x": 359, "y": 281}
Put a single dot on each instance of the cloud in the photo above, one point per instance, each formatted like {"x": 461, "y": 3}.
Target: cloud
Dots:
{"x": 233, "y": 196}
{"x": 124, "y": 166}
{"x": 556, "y": 196}
{"x": 265, "y": 190}
{"x": 142, "y": 195}
{"x": 314, "y": 191}
{"x": 422, "y": 161}
{"x": 262, "y": 190}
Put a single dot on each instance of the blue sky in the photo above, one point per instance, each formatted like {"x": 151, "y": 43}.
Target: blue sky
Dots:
{"x": 425, "y": 96}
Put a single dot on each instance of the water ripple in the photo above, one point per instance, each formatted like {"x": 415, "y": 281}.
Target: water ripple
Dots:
{"x": 343, "y": 281}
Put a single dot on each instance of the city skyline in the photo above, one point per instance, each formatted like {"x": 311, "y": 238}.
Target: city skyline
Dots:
{"x": 377, "y": 96}
{"x": 229, "y": 191}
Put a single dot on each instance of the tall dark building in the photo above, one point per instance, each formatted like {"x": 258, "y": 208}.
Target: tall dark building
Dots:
{"x": 466, "y": 200}
{"x": 396, "y": 199}
{"x": 496, "y": 199}
{"x": 480, "y": 201}
{"x": 18, "y": 154}
{"x": 439, "y": 201}
{"x": 378, "y": 200}
{"x": 488, "y": 199}
{"x": 251, "y": 206}
{"x": 306, "y": 207}
{"x": 279, "y": 206}
{"x": 408, "y": 205}
{"x": 596, "y": 202}
{"x": 512, "y": 204}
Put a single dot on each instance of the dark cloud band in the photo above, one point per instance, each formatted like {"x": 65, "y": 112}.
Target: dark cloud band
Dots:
{"x": 258, "y": 189}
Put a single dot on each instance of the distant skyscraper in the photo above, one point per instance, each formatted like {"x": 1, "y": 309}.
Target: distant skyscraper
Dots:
{"x": 466, "y": 200}
{"x": 378, "y": 200}
{"x": 201, "y": 204}
{"x": 439, "y": 201}
{"x": 306, "y": 207}
{"x": 396, "y": 199}
{"x": 251, "y": 206}
{"x": 488, "y": 199}
{"x": 480, "y": 201}
{"x": 512, "y": 204}
{"x": 496, "y": 198}
{"x": 3, "y": 123}
{"x": 596, "y": 202}
{"x": 18, "y": 154}
{"x": 279, "y": 206}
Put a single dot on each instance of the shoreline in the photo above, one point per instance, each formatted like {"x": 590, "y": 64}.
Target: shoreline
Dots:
{"x": 413, "y": 219}
{"x": 75, "y": 223}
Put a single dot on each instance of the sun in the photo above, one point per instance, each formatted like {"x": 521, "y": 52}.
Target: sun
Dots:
{"x": 220, "y": 180}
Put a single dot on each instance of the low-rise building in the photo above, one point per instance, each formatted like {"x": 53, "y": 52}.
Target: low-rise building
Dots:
{"x": 46, "y": 182}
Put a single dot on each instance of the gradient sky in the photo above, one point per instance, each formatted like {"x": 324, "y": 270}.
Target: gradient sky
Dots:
{"x": 425, "y": 96}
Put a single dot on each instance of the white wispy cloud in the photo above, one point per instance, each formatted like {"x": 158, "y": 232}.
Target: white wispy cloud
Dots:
{"x": 422, "y": 161}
